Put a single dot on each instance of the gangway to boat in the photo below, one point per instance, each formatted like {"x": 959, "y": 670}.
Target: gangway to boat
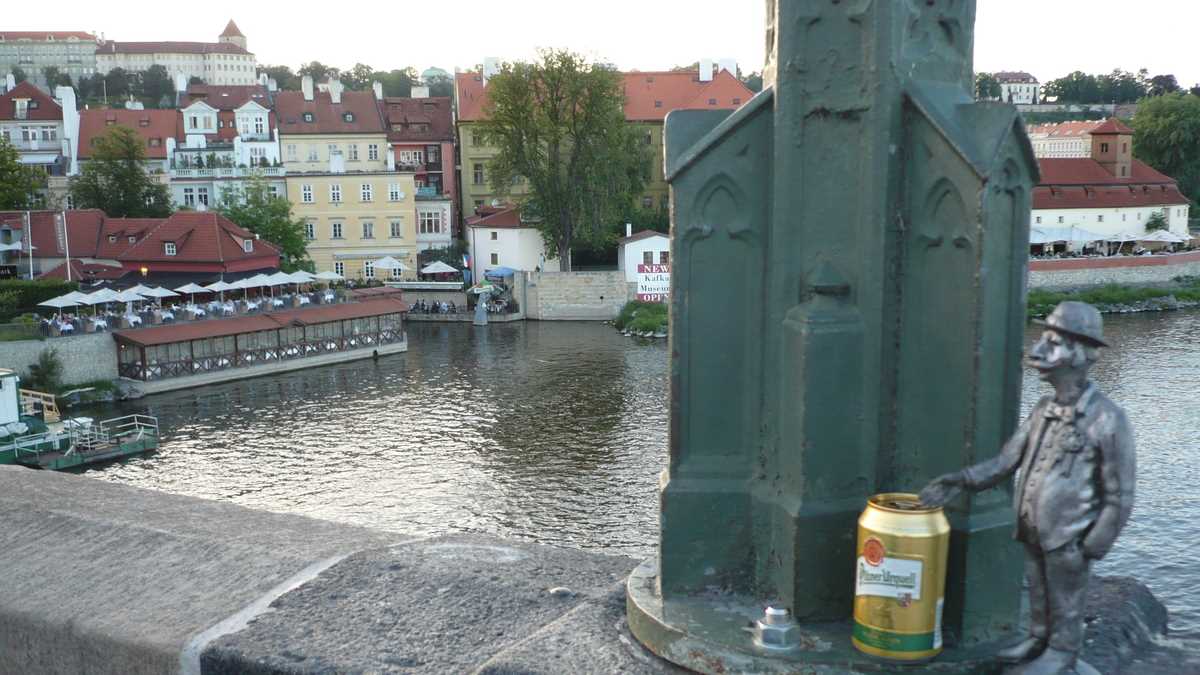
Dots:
{"x": 35, "y": 403}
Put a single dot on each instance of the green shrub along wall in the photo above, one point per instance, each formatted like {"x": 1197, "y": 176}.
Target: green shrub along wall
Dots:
{"x": 19, "y": 297}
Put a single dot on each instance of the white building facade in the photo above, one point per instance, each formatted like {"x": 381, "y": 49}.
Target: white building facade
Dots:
{"x": 1019, "y": 88}
{"x": 72, "y": 52}
{"x": 224, "y": 62}
{"x": 644, "y": 248}
{"x": 434, "y": 220}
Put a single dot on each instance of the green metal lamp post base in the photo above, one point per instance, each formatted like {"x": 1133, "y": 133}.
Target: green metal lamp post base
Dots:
{"x": 711, "y": 633}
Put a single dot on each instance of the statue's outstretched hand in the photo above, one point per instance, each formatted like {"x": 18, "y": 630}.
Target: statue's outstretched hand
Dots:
{"x": 942, "y": 490}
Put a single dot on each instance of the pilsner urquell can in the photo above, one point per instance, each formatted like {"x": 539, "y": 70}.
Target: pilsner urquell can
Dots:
{"x": 900, "y": 578}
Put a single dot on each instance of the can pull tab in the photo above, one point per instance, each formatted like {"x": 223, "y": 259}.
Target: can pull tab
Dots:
{"x": 776, "y": 630}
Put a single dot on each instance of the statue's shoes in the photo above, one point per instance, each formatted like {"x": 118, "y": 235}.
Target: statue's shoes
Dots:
{"x": 1022, "y": 651}
{"x": 1051, "y": 662}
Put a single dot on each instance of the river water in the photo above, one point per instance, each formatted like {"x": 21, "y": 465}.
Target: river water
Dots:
{"x": 556, "y": 433}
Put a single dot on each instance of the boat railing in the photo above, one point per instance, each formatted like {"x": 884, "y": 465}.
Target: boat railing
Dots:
{"x": 33, "y": 444}
{"x": 130, "y": 425}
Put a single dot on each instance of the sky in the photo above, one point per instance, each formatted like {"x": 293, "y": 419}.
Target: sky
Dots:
{"x": 1048, "y": 38}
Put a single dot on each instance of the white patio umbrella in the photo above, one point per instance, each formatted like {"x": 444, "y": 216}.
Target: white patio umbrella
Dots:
{"x": 220, "y": 287}
{"x": 61, "y": 301}
{"x": 129, "y": 297}
{"x": 140, "y": 290}
{"x": 1163, "y": 236}
{"x": 159, "y": 294}
{"x": 103, "y": 297}
{"x": 300, "y": 277}
{"x": 329, "y": 276}
{"x": 389, "y": 263}
{"x": 438, "y": 267}
{"x": 192, "y": 290}
{"x": 278, "y": 279}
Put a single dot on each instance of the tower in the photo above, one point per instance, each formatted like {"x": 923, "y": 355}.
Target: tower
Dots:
{"x": 231, "y": 35}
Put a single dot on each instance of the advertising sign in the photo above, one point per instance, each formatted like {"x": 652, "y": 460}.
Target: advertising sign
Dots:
{"x": 654, "y": 283}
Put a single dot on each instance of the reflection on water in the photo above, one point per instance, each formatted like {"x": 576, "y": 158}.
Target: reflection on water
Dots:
{"x": 557, "y": 433}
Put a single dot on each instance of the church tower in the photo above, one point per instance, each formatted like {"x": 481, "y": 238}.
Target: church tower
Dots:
{"x": 232, "y": 35}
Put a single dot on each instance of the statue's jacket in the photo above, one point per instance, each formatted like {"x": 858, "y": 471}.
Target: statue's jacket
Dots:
{"x": 1077, "y": 470}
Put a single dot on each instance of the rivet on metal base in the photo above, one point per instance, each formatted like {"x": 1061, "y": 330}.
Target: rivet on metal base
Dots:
{"x": 776, "y": 630}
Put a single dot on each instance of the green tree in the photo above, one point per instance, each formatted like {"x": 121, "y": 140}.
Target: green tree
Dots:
{"x": 1167, "y": 137}
{"x": 284, "y": 78}
{"x": 18, "y": 74}
{"x": 1078, "y": 87}
{"x": 1163, "y": 84}
{"x": 20, "y": 185}
{"x": 316, "y": 70}
{"x": 1156, "y": 221}
{"x": 195, "y": 80}
{"x": 115, "y": 179}
{"x": 119, "y": 83}
{"x": 559, "y": 123}
{"x": 157, "y": 84}
{"x": 255, "y": 208}
{"x": 1121, "y": 86}
{"x": 55, "y": 77}
{"x": 440, "y": 86}
{"x": 399, "y": 82}
{"x": 359, "y": 77}
{"x": 46, "y": 374}
{"x": 987, "y": 87}
{"x": 753, "y": 81}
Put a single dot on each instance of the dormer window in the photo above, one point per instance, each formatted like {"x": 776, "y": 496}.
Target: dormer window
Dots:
{"x": 33, "y": 104}
{"x": 143, "y": 122}
{"x": 169, "y": 248}
{"x": 112, "y": 238}
{"x": 308, "y": 117}
{"x": 133, "y": 239}
{"x": 248, "y": 246}
{"x": 348, "y": 117}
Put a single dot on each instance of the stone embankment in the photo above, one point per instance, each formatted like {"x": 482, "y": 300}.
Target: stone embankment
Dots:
{"x": 105, "y": 579}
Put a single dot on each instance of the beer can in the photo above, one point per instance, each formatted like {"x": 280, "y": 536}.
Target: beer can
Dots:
{"x": 900, "y": 578}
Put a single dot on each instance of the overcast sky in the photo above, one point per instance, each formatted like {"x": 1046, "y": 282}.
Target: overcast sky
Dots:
{"x": 1048, "y": 38}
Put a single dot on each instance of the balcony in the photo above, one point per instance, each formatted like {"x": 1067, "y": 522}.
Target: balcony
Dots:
{"x": 36, "y": 145}
{"x": 235, "y": 172}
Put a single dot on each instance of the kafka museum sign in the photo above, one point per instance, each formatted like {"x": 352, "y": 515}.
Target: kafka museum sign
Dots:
{"x": 653, "y": 283}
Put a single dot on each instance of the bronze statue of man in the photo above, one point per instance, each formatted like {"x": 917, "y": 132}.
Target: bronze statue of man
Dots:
{"x": 1075, "y": 462}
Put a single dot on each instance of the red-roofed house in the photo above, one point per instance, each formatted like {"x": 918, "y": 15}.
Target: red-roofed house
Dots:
{"x": 41, "y": 128}
{"x": 649, "y": 96}
{"x": 199, "y": 244}
{"x": 1063, "y": 140}
{"x": 421, "y": 134}
{"x": 73, "y": 52}
{"x": 226, "y": 61}
{"x": 498, "y": 237}
{"x": 159, "y": 129}
{"x": 1108, "y": 192}
{"x": 1019, "y": 87}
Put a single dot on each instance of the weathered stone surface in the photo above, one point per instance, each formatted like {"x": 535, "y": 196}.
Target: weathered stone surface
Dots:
{"x": 1126, "y": 625}
{"x": 104, "y": 578}
{"x": 444, "y": 605}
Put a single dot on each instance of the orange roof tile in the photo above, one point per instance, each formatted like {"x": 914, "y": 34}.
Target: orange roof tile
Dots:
{"x": 1112, "y": 126}
{"x": 154, "y": 126}
{"x": 328, "y": 117}
{"x": 47, "y": 108}
{"x": 45, "y": 35}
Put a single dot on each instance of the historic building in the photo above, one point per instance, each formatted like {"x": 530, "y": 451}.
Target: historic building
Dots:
{"x": 72, "y": 52}
{"x": 343, "y": 181}
{"x": 649, "y": 96}
{"x": 1109, "y": 192}
{"x": 499, "y": 237}
{"x": 421, "y": 134}
{"x": 226, "y": 61}
{"x": 1063, "y": 140}
{"x": 229, "y": 134}
{"x": 160, "y": 130}
{"x": 41, "y": 128}
{"x": 1019, "y": 88}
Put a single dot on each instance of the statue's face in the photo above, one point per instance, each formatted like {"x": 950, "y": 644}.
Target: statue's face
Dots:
{"x": 1057, "y": 353}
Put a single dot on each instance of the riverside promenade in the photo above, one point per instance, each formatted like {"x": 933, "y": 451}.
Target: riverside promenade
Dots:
{"x": 108, "y": 579}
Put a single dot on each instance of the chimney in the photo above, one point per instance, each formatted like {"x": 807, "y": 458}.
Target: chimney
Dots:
{"x": 262, "y": 79}
{"x": 272, "y": 85}
{"x": 377, "y": 87}
{"x": 491, "y": 68}
{"x": 306, "y": 86}
{"x": 419, "y": 92}
{"x": 335, "y": 90}
{"x": 10, "y": 82}
{"x": 706, "y": 70}
{"x": 729, "y": 65}
{"x": 181, "y": 81}
{"x": 628, "y": 229}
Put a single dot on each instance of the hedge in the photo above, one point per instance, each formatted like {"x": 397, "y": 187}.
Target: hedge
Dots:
{"x": 18, "y": 296}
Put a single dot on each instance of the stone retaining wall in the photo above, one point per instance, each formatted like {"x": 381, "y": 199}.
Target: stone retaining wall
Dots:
{"x": 576, "y": 296}
{"x": 85, "y": 358}
{"x": 1132, "y": 270}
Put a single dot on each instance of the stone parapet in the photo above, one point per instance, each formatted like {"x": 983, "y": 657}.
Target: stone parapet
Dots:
{"x": 85, "y": 358}
{"x": 1081, "y": 272}
{"x": 576, "y": 296}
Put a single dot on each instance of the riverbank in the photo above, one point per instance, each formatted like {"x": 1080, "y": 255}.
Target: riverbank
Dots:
{"x": 1181, "y": 293}
{"x": 643, "y": 319}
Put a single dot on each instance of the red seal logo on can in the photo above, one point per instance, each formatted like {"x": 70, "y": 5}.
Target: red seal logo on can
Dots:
{"x": 873, "y": 552}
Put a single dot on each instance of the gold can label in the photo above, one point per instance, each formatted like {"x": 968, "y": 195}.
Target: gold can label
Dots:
{"x": 900, "y": 578}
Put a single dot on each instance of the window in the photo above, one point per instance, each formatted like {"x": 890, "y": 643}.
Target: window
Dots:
{"x": 712, "y": 101}
{"x": 478, "y": 174}
{"x": 368, "y": 269}
{"x": 310, "y": 230}
{"x": 664, "y": 257}
{"x": 478, "y": 205}
{"x": 1100, "y": 218}
{"x": 306, "y": 193}
{"x": 394, "y": 192}
{"x": 248, "y": 246}
{"x": 495, "y": 235}
{"x": 169, "y": 248}
{"x": 431, "y": 222}
{"x": 335, "y": 193}
{"x": 189, "y": 197}
{"x": 1124, "y": 148}
{"x": 397, "y": 229}
{"x": 334, "y": 150}
{"x": 335, "y": 230}
{"x": 352, "y": 151}
{"x": 258, "y": 125}
{"x": 202, "y": 195}
{"x": 112, "y": 238}
{"x": 396, "y": 272}
{"x": 372, "y": 152}
{"x": 658, "y": 104}
{"x": 495, "y": 258}
{"x": 1060, "y": 219}
{"x": 348, "y": 117}
{"x": 312, "y": 154}
{"x": 1104, "y": 147}
{"x": 647, "y": 257}
{"x": 308, "y": 117}
{"x": 1039, "y": 220}
{"x": 649, "y": 138}
{"x": 339, "y": 269}
{"x": 291, "y": 152}
{"x": 368, "y": 230}
{"x": 368, "y": 193}
{"x": 431, "y": 152}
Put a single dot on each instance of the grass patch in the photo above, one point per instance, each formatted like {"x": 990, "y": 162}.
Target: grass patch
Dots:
{"x": 1042, "y": 302}
{"x": 642, "y": 317}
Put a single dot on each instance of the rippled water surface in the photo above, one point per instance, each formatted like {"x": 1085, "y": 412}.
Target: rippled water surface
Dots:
{"x": 556, "y": 432}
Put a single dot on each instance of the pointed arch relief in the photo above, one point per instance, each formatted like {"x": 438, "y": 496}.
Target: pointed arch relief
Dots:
{"x": 944, "y": 220}
{"x": 721, "y": 207}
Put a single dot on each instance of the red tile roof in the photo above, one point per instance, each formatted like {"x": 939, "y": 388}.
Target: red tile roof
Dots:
{"x": 1084, "y": 184}
{"x": 1064, "y": 129}
{"x": 198, "y": 237}
{"x": 1112, "y": 126}
{"x": 170, "y": 48}
{"x": 1087, "y": 171}
{"x": 47, "y": 108}
{"x": 154, "y": 126}
{"x": 328, "y": 117}
{"x": 496, "y": 217}
{"x": 6, "y": 35}
{"x": 1018, "y": 77}
{"x": 81, "y": 271}
{"x": 82, "y": 226}
{"x": 649, "y": 96}
{"x": 231, "y": 30}
{"x": 226, "y": 97}
{"x": 184, "y": 332}
{"x": 401, "y": 114}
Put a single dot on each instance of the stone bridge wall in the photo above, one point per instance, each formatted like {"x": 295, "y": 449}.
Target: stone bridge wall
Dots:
{"x": 85, "y": 358}
{"x": 576, "y": 296}
{"x": 1132, "y": 270}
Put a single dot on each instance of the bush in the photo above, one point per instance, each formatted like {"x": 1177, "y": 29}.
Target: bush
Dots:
{"x": 23, "y": 296}
{"x": 642, "y": 316}
{"x": 46, "y": 374}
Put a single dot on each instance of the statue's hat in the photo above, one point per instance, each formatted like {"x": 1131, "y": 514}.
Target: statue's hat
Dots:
{"x": 1077, "y": 319}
